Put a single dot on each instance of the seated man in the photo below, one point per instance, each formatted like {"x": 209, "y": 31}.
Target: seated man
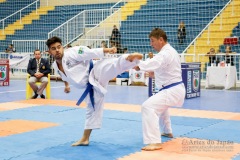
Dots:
{"x": 212, "y": 56}
{"x": 38, "y": 68}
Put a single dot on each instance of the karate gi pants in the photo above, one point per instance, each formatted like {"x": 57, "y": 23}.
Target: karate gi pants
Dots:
{"x": 103, "y": 71}
{"x": 155, "y": 113}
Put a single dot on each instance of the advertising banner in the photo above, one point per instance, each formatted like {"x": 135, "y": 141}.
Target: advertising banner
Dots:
{"x": 4, "y": 72}
{"x": 191, "y": 78}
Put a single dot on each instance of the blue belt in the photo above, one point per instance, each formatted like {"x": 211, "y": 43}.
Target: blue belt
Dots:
{"x": 170, "y": 85}
{"x": 89, "y": 90}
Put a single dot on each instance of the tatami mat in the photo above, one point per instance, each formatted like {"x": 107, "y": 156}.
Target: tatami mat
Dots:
{"x": 44, "y": 129}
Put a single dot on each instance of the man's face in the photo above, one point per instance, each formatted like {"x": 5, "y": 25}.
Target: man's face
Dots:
{"x": 37, "y": 54}
{"x": 212, "y": 51}
{"x": 157, "y": 44}
{"x": 56, "y": 50}
{"x": 150, "y": 55}
{"x": 228, "y": 49}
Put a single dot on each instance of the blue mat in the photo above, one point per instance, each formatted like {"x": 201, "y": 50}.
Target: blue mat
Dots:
{"x": 223, "y": 131}
{"x": 46, "y": 114}
{"x": 95, "y": 151}
{"x": 122, "y": 115}
{"x": 120, "y": 135}
{"x": 196, "y": 122}
{"x": 237, "y": 157}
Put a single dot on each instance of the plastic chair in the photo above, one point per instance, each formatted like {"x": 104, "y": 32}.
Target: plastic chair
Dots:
{"x": 29, "y": 91}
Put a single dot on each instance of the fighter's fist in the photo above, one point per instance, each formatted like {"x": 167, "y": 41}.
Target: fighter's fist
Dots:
{"x": 136, "y": 68}
{"x": 112, "y": 50}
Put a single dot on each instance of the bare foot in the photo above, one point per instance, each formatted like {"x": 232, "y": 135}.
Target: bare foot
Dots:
{"x": 152, "y": 147}
{"x": 169, "y": 135}
{"x": 81, "y": 143}
{"x": 134, "y": 56}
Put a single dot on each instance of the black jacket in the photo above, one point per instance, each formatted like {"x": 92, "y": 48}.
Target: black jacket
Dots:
{"x": 44, "y": 67}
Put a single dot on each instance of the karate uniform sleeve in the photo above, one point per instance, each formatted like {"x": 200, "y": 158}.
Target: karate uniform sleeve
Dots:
{"x": 81, "y": 53}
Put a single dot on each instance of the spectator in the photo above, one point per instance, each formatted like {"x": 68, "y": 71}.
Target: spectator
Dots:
{"x": 38, "y": 68}
{"x": 150, "y": 55}
{"x": 10, "y": 49}
{"x": 104, "y": 44}
{"x": 115, "y": 36}
{"x": 181, "y": 32}
{"x": 212, "y": 56}
{"x": 125, "y": 50}
{"x": 229, "y": 59}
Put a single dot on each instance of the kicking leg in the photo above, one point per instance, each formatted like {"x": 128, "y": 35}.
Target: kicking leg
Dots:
{"x": 108, "y": 69}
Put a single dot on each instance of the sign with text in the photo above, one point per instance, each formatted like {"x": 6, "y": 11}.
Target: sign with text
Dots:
{"x": 4, "y": 72}
{"x": 191, "y": 78}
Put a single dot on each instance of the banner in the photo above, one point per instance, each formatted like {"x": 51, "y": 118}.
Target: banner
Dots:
{"x": 18, "y": 60}
{"x": 4, "y": 72}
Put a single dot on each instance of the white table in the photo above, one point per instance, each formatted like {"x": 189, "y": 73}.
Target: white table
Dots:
{"x": 221, "y": 76}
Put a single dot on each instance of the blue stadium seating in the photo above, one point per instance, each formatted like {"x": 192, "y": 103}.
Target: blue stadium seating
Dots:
{"x": 9, "y": 7}
{"x": 39, "y": 29}
{"x": 167, "y": 15}
{"x": 236, "y": 47}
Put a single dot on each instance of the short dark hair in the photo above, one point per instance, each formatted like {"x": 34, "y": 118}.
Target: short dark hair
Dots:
{"x": 36, "y": 50}
{"x": 157, "y": 33}
{"x": 52, "y": 40}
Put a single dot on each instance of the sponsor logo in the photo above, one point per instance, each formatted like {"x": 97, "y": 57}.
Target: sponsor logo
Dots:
{"x": 3, "y": 72}
{"x": 138, "y": 75}
{"x": 16, "y": 57}
{"x": 80, "y": 51}
{"x": 196, "y": 78}
{"x": 68, "y": 64}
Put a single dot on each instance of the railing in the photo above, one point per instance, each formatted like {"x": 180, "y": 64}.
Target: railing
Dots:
{"x": 104, "y": 29}
{"x": 92, "y": 43}
{"x": 193, "y": 42}
{"x": 17, "y": 14}
{"x": 29, "y": 45}
{"x": 75, "y": 27}
{"x": 220, "y": 57}
{"x": 117, "y": 5}
{"x": 69, "y": 31}
{"x": 72, "y": 29}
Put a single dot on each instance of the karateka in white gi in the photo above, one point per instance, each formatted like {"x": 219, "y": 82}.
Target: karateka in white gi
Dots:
{"x": 75, "y": 67}
{"x": 166, "y": 67}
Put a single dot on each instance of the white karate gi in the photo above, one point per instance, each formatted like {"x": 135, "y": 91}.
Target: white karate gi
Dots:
{"x": 76, "y": 61}
{"x": 166, "y": 66}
